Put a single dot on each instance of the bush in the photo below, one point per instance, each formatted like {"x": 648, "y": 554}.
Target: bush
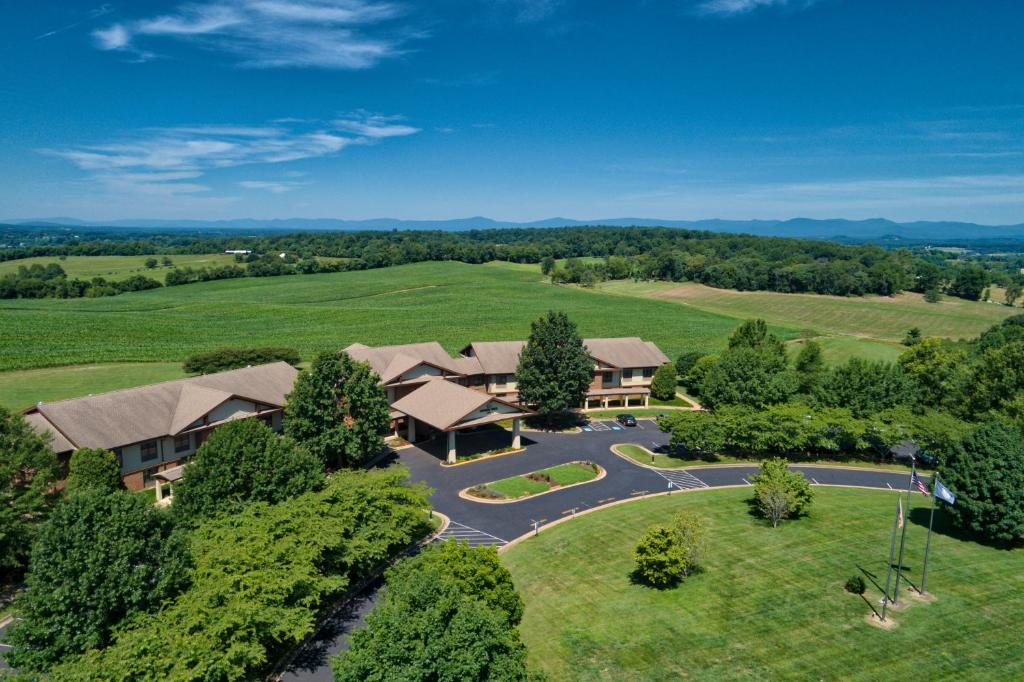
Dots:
{"x": 663, "y": 387}
{"x": 93, "y": 468}
{"x": 856, "y": 585}
{"x": 234, "y": 358}
{"x": 685, "y": 362}
{"x": 660, "y": 561}
{"x": 780, "y": 493}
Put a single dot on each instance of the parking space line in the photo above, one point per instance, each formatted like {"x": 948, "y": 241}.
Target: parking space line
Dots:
{"x": 458, "y": 531}
{"x": 683, "y": 480}
{"x": 815, "y": 481}
{"x": 744, "y": 479}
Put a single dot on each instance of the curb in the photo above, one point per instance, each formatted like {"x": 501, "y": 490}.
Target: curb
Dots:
{"x": 464, "y": 494}
{"x": 482, "y": 459}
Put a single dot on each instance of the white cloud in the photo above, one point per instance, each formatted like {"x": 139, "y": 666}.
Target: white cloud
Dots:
{"x": 735, "y": 7}
{"x": 170, "y": 160}
{"x": 374, "y": 126}
{"x": 275, "y": 187}
{"x": 331, "y": 34}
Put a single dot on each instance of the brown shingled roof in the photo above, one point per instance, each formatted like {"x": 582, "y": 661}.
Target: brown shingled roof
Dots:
{"x": 502, "y": 357}
{"x": 132, "y": 415}
{"x": 381, "y": 357}
{"x": 496, "y": 357}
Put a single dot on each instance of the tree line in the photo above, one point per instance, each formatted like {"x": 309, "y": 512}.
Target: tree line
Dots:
{"x": 728, "y": 261}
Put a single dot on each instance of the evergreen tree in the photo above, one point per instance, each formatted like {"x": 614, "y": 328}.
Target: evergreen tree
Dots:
{"x": 663, "y": 387}
{"x": 913, "y": 337}
{"x": 685, "y": 362}
{"x": 810, "y": 365}
{"x": 554, "y": 368}
{"x": 99, "y": 560}
{"x": 242, "y": 462}
{"x": 338, "y": 410}
{"x": 93, "y": 468}
{"x": 28, "y": 471}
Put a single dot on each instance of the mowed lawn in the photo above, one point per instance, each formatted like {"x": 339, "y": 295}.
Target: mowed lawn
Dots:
{"x": 873, "y": 317}
{"x": 770, "y": 603}
{"x": 23, "y": 388}
{"x": 119, "y": 267}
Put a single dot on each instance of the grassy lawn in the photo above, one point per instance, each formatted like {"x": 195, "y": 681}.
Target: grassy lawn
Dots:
{"x": 770, "y": 603}
{"x": 638, "y": 412}
{"x": 836, "y": 350}
{"x": 876, "y": 317}
{"x": 22, "y": 388}
{"x": 537, "y": 482}
{"x": 675, "y": 402}
{"x": 119, "y": 267}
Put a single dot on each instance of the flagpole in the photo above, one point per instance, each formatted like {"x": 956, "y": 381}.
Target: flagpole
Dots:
{"x": 892, "y": 548}
{"x": 928, "y": 543}
{"x": 903, "y": 537}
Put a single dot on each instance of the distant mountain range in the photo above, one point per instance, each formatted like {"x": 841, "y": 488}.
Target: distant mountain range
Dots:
{"x": 874, "y": 229}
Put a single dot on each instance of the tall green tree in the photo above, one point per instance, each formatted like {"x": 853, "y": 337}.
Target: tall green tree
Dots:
{"x": 865, "y": 387}
{"x": 754, "y": 334}
{"x": 939, "y": 369}
{"x": 996, "y": 378}
{"x": 242, "y": 462}
{"x": 809, "y": 366}
{"x": 985, "y": 470}
{"x": 433, "y": 624}
{"x": 554, "y": 368}
{"x": 685, "y": 362}
{"x": 338, "y": 410}
{"x": 663, "y": 387}
{"x": 28, "y": 472}
{"x": 101, "y": 559}
{"x": 1013, "y": 292}
{"x": 748, "y": 376}
{"x": 969, "y": 282}
{"x": 93, "y": 468}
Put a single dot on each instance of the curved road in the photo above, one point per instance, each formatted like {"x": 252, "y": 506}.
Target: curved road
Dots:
{"x": 497, "y": 524}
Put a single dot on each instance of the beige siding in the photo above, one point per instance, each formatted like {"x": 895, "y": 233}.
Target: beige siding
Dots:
{"x": 487, "y": 410}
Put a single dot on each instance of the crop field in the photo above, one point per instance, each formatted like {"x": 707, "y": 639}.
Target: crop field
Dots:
{"x": 769, "y": 603}
{"x": 118, "y": 267}
{"x": 453, "y": 303}
{"x": 878, "y": 318}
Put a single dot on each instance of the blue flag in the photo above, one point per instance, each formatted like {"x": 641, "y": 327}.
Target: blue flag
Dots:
{"x": 944, "y": 493}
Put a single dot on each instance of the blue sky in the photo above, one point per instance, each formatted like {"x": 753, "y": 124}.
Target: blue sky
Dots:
{"x": 514, "y": 109}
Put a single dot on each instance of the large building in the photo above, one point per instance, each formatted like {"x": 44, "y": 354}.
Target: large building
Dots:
{"x": 155, "y": 429}
{"x": 427, "y": 387}
{"x": 158, "y": 427}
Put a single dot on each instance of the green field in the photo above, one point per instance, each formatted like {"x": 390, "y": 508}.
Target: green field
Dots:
{"x": 879, "y": 318}
{"x": 25, "y": 387}
{"x": 770, "y": 603}
{"x": 452, "y": 302}
{"x": 119, "y": 267}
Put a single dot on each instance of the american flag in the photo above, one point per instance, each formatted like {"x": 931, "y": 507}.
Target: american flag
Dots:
{"x": 916, "y": 481}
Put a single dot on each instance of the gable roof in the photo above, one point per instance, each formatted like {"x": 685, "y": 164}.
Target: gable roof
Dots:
{"x": 502, "y": 357}
{"x": 441, "y": 403}
{"x": 627, "y": 351}
{"x": 496, "y": 357}
{"x": 117, "y": 418}
{"x": 381, "y": 357}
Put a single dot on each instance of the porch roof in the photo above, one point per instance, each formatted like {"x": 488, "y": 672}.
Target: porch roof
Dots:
{"x": 619, "y": 390}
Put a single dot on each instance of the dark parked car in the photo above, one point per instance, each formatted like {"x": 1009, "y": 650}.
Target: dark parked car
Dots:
{"x": 626, "y": 419}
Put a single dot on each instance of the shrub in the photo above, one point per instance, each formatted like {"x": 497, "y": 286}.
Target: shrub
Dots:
{"x": 691, "y": 536}
{"x": 660, "y": 561}
{"x": 93, "y": 468}
{"x": 234, "y": 358}
{"x": 855, "y": 584}
{"x": 685, "y": 362}
{"x": 663, "y": 387}
{"x": 780, "y": 493}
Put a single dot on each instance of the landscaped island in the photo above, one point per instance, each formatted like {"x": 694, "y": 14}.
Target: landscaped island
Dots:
{"x": 537, "y": 482}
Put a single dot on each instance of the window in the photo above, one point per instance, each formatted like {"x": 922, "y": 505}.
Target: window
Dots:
{"x": 627, "y": 374}
{"x": 268, "y": 419}
{"x": 147, "y": 476}
{"x": 147, "y": 451}
{"x": 648, "y": 372}
{"x": 183, "y": 442}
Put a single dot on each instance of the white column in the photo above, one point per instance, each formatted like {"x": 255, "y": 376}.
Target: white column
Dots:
{"x": 159, "y": 490}
{"x": 515, "y": 433}
{"x": 604, "y": 403}
{"x": 412, "y": 429}
{"x": 451, "y": 447}
{"x": 646, "y": 399}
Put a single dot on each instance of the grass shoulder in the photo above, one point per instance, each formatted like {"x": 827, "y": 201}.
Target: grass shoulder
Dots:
{"x": 663, "y": 460}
